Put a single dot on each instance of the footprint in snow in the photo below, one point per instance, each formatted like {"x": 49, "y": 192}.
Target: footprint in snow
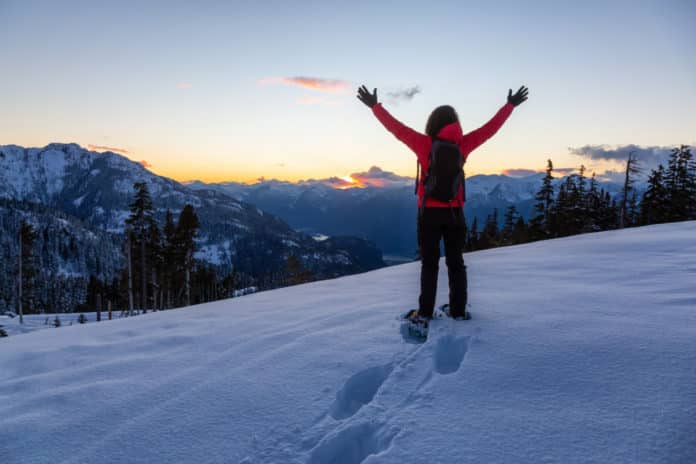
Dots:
{"x": 359, "y": 390}
{"x": 449, "y": 353}
{"x": 353, "y": 444}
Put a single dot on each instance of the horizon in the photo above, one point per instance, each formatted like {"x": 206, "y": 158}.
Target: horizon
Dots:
{"x": 236, "y": 92}
{"x": 373, "y": 177}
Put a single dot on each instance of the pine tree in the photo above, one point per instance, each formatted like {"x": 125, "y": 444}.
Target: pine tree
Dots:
{"x": 473, "y": 241}
{"x": 633, "y": 213}
{"x": 155, "y": 257}
{"x": 27, "y": 269}
{"x": 680, "y": 184}
{"x": 631, "y": 169}
{"x": 655, "y": 200}
{"x": 186, "y": 232}
{"x": 520, "y": 233}
{"x": 140, "y": 224}
{"x": 169, "y": 257}
{"x": 489, "y": 236}
{"x": 509, "y": 224}
{"x": 592, "y": 207}
{"x": 541, "y": 223}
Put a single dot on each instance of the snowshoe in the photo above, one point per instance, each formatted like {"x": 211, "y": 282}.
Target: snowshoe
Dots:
{"x": 415, "y": 326}
{"x": 445, "y": 309}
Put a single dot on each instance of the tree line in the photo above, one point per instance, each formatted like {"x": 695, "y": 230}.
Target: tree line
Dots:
{"x": 578, "y": 205}
{"x": 160, "y": 270}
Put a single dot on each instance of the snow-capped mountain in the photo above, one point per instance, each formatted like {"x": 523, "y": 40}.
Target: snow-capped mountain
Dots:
{"x": 575, "y": 353}
{"x": 97, "y": 188}
{"x": 385, "y": 215}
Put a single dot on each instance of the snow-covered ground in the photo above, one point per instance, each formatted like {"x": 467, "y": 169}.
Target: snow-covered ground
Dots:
{"x": 580, "y": 350}
{"x": 34, "y": 322}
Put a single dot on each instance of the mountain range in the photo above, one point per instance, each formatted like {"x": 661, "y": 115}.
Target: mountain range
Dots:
{"x": 94, "y": 190}
{"x": 384, "y": 214}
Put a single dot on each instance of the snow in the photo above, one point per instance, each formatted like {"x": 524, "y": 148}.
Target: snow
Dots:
{"x": 580, "y": 350}
{"x": 34, "y": 322}
{"x": 213, "y": 254}
{"x": 78, "y": 201}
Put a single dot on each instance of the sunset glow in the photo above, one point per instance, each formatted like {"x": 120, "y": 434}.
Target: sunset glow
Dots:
{"x": 238, "y": 91}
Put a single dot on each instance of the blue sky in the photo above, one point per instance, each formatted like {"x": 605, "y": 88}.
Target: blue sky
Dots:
{"x": 193, "y": 88}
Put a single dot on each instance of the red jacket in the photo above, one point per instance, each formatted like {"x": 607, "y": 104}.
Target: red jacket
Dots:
{"x": 420, "y": 143}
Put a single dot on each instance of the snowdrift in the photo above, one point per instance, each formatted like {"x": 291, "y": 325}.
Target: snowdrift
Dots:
{"x": 580, "y": 349}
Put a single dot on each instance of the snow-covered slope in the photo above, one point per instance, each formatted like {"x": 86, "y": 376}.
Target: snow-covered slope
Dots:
{"x": 580, "y": 350}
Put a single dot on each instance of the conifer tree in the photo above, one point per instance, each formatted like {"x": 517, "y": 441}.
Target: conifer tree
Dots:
{"x": 186, "y": 232}
{"x": 631, "y": 170}
{"x": 473, "y": 241}
{"x": 541, "y": 222}
{"x": 680, "y": 184}
{"x": 592, "y": 207}
{"x": 169, "y": 258}
{"x": 140, "y": 224}
{"x": 520, "y": 233}
{"x": 509, "y": 224}
{"x": 27, "y": 269}
{"x": 633, "y": 213}
{"x": 655, "y": 202}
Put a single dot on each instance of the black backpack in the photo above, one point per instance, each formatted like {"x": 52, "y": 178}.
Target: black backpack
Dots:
{"x": 445, "y": 172}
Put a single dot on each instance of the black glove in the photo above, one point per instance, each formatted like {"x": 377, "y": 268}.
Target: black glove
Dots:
{"x": 519, "y": 97}
{"x": 364, "y": 95}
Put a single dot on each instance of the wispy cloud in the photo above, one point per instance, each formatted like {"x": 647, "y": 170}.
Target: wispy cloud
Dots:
{"x": 404, "y": 94}
{"x": 314, "y": 83}
{"x": 184, "y": 85}
{"x": 105, "y": 148}
{"x": 145, "y": 164}
{"x": 651, "y": 155}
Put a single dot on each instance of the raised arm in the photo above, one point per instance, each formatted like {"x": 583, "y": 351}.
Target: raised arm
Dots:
{"x": 475, "y": 138}
{"x": 413, "y": 139}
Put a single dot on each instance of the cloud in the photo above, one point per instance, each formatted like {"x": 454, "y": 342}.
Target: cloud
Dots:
{"x": 145, "y": 164}
{"x": 184, "y": 85}
{"x": 337, "y": 182}
{"x": 611, "y": 176}
{"x": 519, "y": 172}
{"x": 406, "y": 94}
{"x": 652, "y": 155}
{"x": 377, "y": 177}
{"x": 564, "y": 171}
{"x": 314, "y": 83}
{"x": 105, "y": 148}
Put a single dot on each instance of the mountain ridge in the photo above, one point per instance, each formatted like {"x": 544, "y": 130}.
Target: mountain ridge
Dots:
{"x": 97, "y": 188}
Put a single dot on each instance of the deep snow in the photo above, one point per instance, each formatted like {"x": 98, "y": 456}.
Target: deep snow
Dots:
{"x": 580, "y": 349}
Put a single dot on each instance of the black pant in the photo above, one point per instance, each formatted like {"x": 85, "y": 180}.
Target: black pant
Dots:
{"x": 448, "y": 224}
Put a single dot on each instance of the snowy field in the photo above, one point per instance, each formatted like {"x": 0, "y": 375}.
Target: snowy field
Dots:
{"x": 580, "y": 350}
{"x": 34, "y": 322}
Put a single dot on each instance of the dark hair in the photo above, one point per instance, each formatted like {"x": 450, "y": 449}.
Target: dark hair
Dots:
{"x": 439, "y": 118}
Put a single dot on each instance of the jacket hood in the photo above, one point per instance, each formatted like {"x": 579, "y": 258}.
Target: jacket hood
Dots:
{"x": 451, "y": 132}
